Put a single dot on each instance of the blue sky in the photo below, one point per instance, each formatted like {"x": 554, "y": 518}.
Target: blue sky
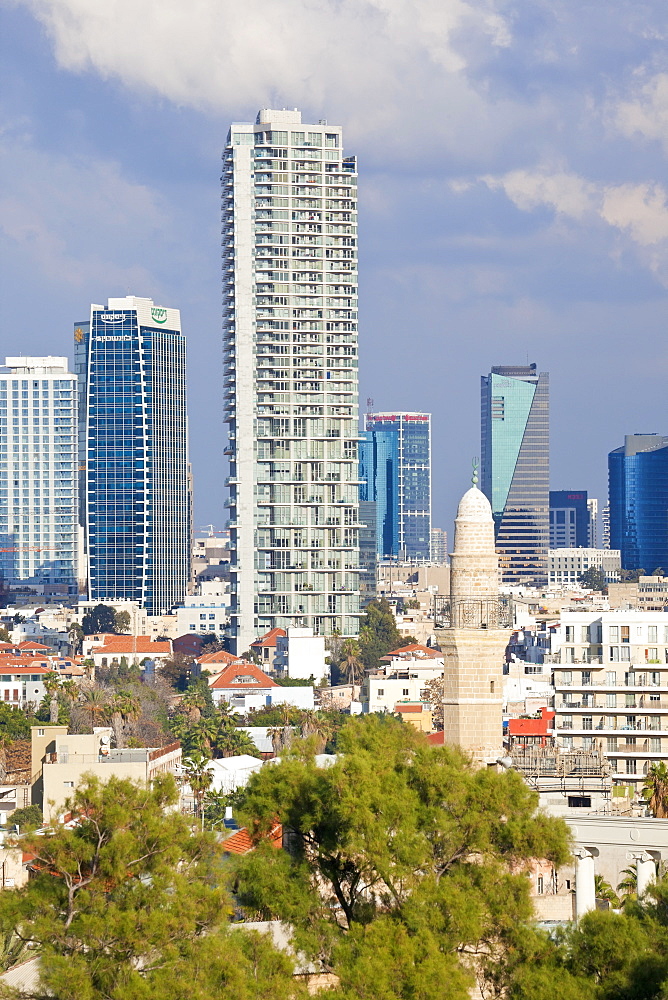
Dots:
{"x": 513, "y": 200}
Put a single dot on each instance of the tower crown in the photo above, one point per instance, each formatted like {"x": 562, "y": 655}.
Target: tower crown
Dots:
{"x": 474, "y": 506}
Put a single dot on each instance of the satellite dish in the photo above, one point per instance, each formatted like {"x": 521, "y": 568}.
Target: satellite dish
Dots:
{"x": 105, "y": 739}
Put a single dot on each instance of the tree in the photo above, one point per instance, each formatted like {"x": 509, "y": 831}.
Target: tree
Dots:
{"x": 127, "y": 903}
{"x": 122, "y": 621}
{"x": 397, "y": 840}
{"x": 196, "y": 770}
{"x": 4, "y": 635}
{"x": 124, "y": 707}
{"x": 628, "y": 886}
{"x": 101, "y": 618}
{"x": 27, "y": 818}
{"x": 434, "y": 689}
{"x": 655, "y": 789}
{"x": 350, "y": 664}
{"x": 379, "y": 634}
{"x": 51, "y": 683}
{"x": 604, "y": 891}
{"x": 96, "y": 704}
{"x": 76, "y": 634}
{"x": 177, "y": 670}
{"x": 594, "y": 579}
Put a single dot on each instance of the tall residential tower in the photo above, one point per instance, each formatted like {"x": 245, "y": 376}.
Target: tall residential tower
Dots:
{"x": 395, "y": 472}
{"x": 289, "y": 250}
{"x": 130, "y": 358}
{"x": 515, "y": 474}
{"x": 38, "y": 477}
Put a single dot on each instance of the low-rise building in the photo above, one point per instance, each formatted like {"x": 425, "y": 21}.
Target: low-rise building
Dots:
{"x": 567, "y": 565}
{"x": 133, "y": 649}
{"x": 403, "y": 679}
{"x": 245, "y": 687}
{"x": 648, "y": 593}
{"x": 200, "y": 614}
{"x": 68, "y": 757}
{"x": 300, "y": 655}
{"x": 265, "y": 647}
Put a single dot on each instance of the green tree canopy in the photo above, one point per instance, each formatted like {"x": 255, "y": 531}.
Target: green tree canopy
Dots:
{"x": 101, "y": 618}
{"x": 397, "y": 841}
{"x": 594, "y": 579}
{"x": 378, "y": 634}
{"x": 127, "y": 905}
{"x": 122, "y": 621}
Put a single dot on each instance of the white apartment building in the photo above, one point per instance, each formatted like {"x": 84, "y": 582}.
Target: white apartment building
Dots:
{"x": 611, "y": 687}
{"x": 201, "y": 614}
{"x": 289, "y": 249}
{"x": 404, "y": 679}
{"x": 301, "y": 654}
{"x": 38, "y": 475}
{"x": 566, "y": 566}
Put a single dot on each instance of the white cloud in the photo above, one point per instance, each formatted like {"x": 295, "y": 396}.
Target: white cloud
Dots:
{"x": 567, "y": 194}
{"x": 647, "y": 113}
{"x": 77, "y": 221}
{"x": 639, "y": 209}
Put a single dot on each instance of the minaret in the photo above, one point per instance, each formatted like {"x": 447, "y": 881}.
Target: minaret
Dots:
{"x": 474, "y": 644}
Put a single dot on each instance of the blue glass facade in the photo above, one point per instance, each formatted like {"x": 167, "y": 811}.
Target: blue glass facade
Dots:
{"x": 133, "y": 434}
{"x": 638, "y": 499}
{"x": 395, "y": 473}
{"x": 515, "y": 469}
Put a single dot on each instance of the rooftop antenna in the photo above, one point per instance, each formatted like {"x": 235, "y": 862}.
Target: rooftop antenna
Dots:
{"x": 369, "y": 404}
{"x": 474, "y": 478}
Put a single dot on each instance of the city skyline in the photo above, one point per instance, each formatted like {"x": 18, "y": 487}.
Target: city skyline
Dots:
{"x": 495, "y": 232}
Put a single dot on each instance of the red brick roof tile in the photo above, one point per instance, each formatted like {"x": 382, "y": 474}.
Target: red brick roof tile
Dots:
{"x": 228, "y": 678}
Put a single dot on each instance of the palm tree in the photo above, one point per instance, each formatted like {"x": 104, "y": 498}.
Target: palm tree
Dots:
{"x": 52, "y": 683}
{"x": 313, "y": 725}
{"x": 196, "y": 769}
{"x": 629, "y": 884}
{"x": 351, "y": 665}
{"x": 124, "y": 707}
{"x": 655, "y": 790}
{"x": 605, "y": 891}
{"x": 95, "y": 702}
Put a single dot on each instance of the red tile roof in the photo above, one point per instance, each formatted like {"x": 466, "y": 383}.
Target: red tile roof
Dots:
{"x": 31, "y": 645}
{"x": 411, "y": 649}
{"x": 437, "y": 739}
{"x": 228, "y": 678}
{"x": 413, "y": 708}
{"x": 220, "y": 656}
{"x": 133, "y": 644}
{"x": 241, "y": 843}
{"x": 269, "y": 638}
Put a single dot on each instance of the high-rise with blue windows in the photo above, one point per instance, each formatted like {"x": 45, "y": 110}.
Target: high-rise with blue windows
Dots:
{"x": 515, "y": 468}
{"x": 638, "y": 500}
{"x": 395, "y": 473}
{"x": 130, "y": 358}
{"x": 38, "y": 476}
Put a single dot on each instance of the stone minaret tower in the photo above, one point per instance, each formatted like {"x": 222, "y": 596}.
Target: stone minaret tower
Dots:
{"x": 475, "y": 643}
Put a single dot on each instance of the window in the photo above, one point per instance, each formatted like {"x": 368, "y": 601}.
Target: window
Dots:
{"x": 40, "y": 732}
{"x": 613, "y": 633}
{"x": 540, "y": 885}
{"x": 611, "y": 744}
{"x": 405, "y": 692}
{"x": 625, "y": 633}
{"x": 631, "y": 766}
{"x": 491, "y": 687}
{"x": 567, "y": 742}
{"x": 381, "y": 692}
{"x": 653, "y": 633}
{"x": 611, "y": 678}
{"x": 567, "y": 677}
{"x": 625, "y": 654}
{"x": 611, "y": 701}
{"x": 579, "y": 802}
{"x": 68, "y": 784}
{"x": 587, "y": 722}
{"x": 586, "y": 677}
{"x": 570, "y": 633}
{"x": 614, "y": 654}
{"x": 655, "y": 744}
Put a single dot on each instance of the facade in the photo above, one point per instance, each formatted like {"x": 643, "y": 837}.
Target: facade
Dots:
{"x": 301, "y": 655}
{"x": 289, "y": 212}
{"x": 592, "y": 507}
{"x": 130, "y": 359}
{"x": 244, "y": 687}
{"x": 395, "y": 473}
{"x": 38, "y": 477}
{"x": 474, "y": 639}
{"x": 649, "y": 593}
{"x": 611, "y": 687}
{"x": 439, "y": 546}
{"x": 638, "y": 497}
{"x": 368, "y": 552}
{"x": 515, "y": 468}
{"x": 202, "y": 614}
{"x": 403, "y": 681}
{"x": 566, "y": 565}
{"x": 569, "y": 519}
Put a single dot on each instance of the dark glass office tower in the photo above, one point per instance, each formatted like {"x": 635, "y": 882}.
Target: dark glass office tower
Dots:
{"x": 395, "y": 473}
{"x": 569, "y": 519}
{"x": 130, "y": 360}
{"x": 515, "y": 468}
{"x": 638, "y": 499}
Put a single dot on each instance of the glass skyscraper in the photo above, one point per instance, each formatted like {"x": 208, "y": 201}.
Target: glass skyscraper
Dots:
{"x": 638, "y": 501}
{"x": 130, "y": 359}
{"x": 395, "y": 473}
{"x": 38, "y": 476}
{"x": 515, "y": 468}
{"x": 289, "y": 249}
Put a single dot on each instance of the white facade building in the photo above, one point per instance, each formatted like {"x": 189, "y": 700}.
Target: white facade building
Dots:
{"x": 566, "y": 566}
{"x": 289, "y": 201}
{"x": 404, "y": 679}
{"x": 202, "y": 614}
{"x": 301, "y": 654}
{"x": 38, "y": 475}
{"x": 611, "y": 687}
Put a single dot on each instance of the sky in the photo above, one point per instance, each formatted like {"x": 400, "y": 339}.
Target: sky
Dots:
{"x": 513, "y": 201}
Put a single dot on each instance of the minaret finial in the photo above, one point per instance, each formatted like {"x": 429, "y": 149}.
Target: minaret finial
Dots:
{"x": 474, "y": 478}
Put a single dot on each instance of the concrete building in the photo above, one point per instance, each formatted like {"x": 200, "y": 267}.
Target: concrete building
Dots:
{"x": 402, "y": 680}
{"x": 134, "y": 649}
{"x": 368, "y": 551}
{"x": 649, "y": 593}
{"x": 475, "y": 635}
{"x": 566, "y": 565}
{"x": 439, "y": 546}
{"x": 289, "y": 199}
{"x": 515, "y": 469}
{"x": 202, "y": 614}
{"x": 611, "y": 687}
{"x": 38, "y": 476}
{"x": 638, "y": 500}
{"x": 395, "y": 474}
{"x": 592, "y": 507}
{"x": 244, "y": 687}
{"x": 569, "y": 519}
{"x": 66, "y": 758}
{"x": 301, "y": 655}
{"x": 130, "y": 358}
